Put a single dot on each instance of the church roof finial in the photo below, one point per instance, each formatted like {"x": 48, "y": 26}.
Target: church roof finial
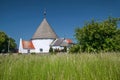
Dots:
{"x": 44, "y": 30}
{"x": 44, "y": 13}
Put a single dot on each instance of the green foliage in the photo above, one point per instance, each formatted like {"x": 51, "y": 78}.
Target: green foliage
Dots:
{"x": 99, "y": 36}
{"x": 33, "y": 53}
{"x": 6, "y": 42}
{"x": 60, "y": 67}
{"x": 51, "y": 50}
{"x": 74, "y": 49}
{"x": 53, "y": 53}
{"x": 65, "y": 49}
{"x": 3, "y": 41}
{"x": 2, "y": 37}
{"x": 19, "y": 53}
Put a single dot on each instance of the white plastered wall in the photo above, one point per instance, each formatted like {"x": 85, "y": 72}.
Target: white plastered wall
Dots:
{"x": 43, "y": 44}
{"x": 57, "y": 47}
{"x": 21, "y": 50}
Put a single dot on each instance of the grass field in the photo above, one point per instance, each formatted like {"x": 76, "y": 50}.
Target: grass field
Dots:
{"x": 104, "y": 66}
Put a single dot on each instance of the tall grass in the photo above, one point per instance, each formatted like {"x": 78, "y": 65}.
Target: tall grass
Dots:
{"x": 60, "y": 67}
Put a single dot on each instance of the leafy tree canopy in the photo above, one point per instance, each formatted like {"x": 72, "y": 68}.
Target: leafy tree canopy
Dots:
{"x": 6, "y": 43}
{"x": 99, "y": 36}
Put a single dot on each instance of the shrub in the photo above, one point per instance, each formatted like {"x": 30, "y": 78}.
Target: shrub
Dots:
{"x": 65, "y": 49}
{"x": 19, "y": 53}
{"x": 75, "y": 49}
{"x": 51, "y": 50}
{"x": 33, "y": 53}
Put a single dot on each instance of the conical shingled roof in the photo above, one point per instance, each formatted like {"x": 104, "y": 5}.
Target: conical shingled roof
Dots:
{"x": 44, "y": 31}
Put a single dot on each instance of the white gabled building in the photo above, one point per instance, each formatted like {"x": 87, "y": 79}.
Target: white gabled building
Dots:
{"x": 43, "y": 38}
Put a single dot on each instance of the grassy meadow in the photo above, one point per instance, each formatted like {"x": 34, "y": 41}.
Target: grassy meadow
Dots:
{"x": 85, "y": 66}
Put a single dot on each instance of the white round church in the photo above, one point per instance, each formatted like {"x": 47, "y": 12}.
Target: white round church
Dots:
{"x": 43, "y": 39}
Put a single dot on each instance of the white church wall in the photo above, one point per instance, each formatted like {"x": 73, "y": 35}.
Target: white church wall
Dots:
{"x": 21, "y": 50}
{"x": 57, "y": 47}
{"x": 24, "y": 51}
{"x": 20, "y": 46}
{"x": 42, "y": 45}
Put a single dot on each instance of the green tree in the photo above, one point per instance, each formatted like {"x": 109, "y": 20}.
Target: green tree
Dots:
{"x": 6, "y": 43}
{"x": 99, "y": 36}
{"x": 12, "y": 44}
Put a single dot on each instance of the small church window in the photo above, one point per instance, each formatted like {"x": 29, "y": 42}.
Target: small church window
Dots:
{"x": 28, "y": 51}
{"x": 41, "y": 50}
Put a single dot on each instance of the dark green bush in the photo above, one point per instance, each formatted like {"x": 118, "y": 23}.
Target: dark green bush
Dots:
{"x": 51, "y": 50}
{"x": 74, "y": 49}
{"x": 33, "y": 53}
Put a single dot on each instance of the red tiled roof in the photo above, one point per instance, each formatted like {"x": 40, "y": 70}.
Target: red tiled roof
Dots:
{"x": 27, "y": 44}
{"x": 69, "y": 41}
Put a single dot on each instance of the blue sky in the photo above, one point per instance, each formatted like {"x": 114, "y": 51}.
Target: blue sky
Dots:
{"x": 20, "y": 18}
